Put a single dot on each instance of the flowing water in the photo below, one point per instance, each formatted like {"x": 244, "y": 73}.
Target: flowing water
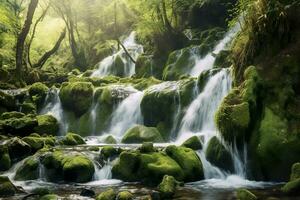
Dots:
{"x": 111, "y": 64}
{"x": 198, "y": 119}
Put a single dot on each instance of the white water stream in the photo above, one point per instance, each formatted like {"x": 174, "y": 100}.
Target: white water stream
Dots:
{"x": 108, "y": 65}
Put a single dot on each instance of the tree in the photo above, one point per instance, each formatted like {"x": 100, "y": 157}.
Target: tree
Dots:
{"x": 22, "y": 37}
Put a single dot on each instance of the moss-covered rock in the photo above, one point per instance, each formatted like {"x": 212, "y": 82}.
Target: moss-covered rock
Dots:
{"x": 13, "y": 114}
{"x": 8, "y": 102}
{"x": 274, "y": 144}
{"x": 108, "y": 152}
{"x": 218, "y": 155}
{"x": 109, "y": 194}
{"x": 6, "y": 187}
{"x": 77, "y": 96}
{"x": 193, "y": 143}
{"x": 38, "y": 93}
{"x": 295, "y": 172}
{"x": 74, "y": 167}
{"x": 140, "y": 134}
{"x": 124, "y": 195}
{"x": 167, "y": 187}
{"x": 243, "y": 194}
{"x": 147, "y": 147}
{"x": 72, "y": 139}
{"x": 37, "y": 142}
{"x": 5, "y": 162}
{"x": 189, "y": 162}
{"x": 292, "y": 187}
{"x": 110, "y": 140}
{"x": 47, "y": 124}
{"x": 28, "y": 108}
{"x": 29, "y": 170}
{"x": 18, "y": 149}
{"x": 21, "y": 126}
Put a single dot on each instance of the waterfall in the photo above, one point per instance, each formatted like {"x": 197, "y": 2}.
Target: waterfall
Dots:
{"x": 53, "y": 106}
{"x": 109, "y": 65}
{"x": 207, "y": 62}
{"x": 127, "y": 114}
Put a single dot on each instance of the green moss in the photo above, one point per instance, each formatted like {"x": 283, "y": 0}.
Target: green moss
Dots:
{"x": 20, "y": 125}
{"x": 6, "y": 187}
{"x": 243, "y": 194}
{"x": 109, "y": 194}
{"x": 125, "y": 195}
{"x": 295, "y": 172}
{"x": 77, "y": 96}
{"x": 37, "y": 142}
{"x": 13, "y": 114}
{"x": 193, "y": 143}
{"x": 292, "y": 187}
{"x": 72, "y": 167}
{"x": 7, "y": 101}
{"x": 110, "y": 140}
{"x": 189, "y": 162}
{"x": 72, "y": 139}
{"x": 147, "y": 147}
{"x": 38, "y": 93}
{"x": 5, "y": 162}
{"x": 140, "y": 134}
{"x": 18, "y": 149}
{"x": 47, "y": 124}
{"x": 29, "y": 108}
{"x": 218, "y": 155}
{"x": 29, "y": 170}
{"x": 277, "y": 149}
{"x": 108, "y": 152}
{"x": 167, "y": 187}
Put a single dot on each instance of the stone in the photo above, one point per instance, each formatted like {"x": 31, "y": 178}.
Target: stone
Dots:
{"x": 243, "y": 194}
{"x": 109, "y": 194}
{"x": 193, "y": 143}
{"x": 124, "y": 195}
{"x": 140, "y": 134}
{"x": 7, "y": 189}
{"x": 72, "y": 139}
{"x": 47, "y": 124}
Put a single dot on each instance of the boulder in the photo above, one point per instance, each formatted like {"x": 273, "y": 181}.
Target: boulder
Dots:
{"x": 18, "y": 149}
{"x": 189, "y": 162}
{"x": 77, "y": 96}
{"x": 37, "y": 142}
{"x": 49, "y": 197}
{"x": 72, "y": 167}
{"x": 38, "y": 93}
{"x": 47, "y": 124}
{"x": 6, "y": 187}
{"x": 218, "y": 155}
{"x": 109, "y": 194}
{"x": 292, "y": 188}
{"x": 243, "y": 194}
{"x": 167, "y": 187}
{"x": 5, "y": 162}
{"x": 72, "y": 139}
{"x": 295, "y": 172}
{"x": 7, "y": 102}
{"x": 21, "y": 126}
{"x": 13, "y": 114}
{"x": 193, "y": 143}
{"x": 147, "y": 147}
{"x": 29, "y": 170}
{"x": 140, "y": 134}
{"x": 87, "y": 193}
{"x": 108, "y": 152}
{"x": 124, "y": 195}
{"x": 110, "y": 140}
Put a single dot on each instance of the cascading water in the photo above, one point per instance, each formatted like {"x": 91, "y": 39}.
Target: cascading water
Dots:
{"x": 127, "y": 114}
{"x": 109, "y": 65}
{"x": 53, "y": 107}
{"x": 207, "y": 62}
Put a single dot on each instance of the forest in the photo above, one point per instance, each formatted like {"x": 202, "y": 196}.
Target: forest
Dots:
{"x": 149, "y": 99}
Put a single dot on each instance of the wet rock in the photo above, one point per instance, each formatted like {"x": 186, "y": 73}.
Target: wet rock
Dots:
{"x": 5, "y": 162}
{"x": 28, "y": 108}
{"x": 77, "y": 96}
{"x": 218, "y": 155}
{"x": 38, "y": 93}
{"x": 189, "y": 162}
{"x": 167, "y": 187}
{"x": 108, "y": 152}
{"x": 193, "y": 143}
{"x": 243, "y": 194}
{"x": 140, "y": 134}
{"x": 109, "y": 194}
{"x": 110, "y": 140}
{"x": 29, "y": 170}
{"x": 37, "y": 142}
{"x": 147, "y": 147}
{"x": 71, "y": 167}
{"x": 13, "y": 114}
{"x": 6, "y": 187}
{"x": 124, "y": 195}
{"x": 18, "y": 149}
{"x": 295, "y": 172}
{"x": 7, "y": 102}
{"x": 87, "y": 193}
{"x": 21, "y": 126}
{"x": 72, "y": 139}
{"x": 47, "y": 124}
{"x": 293, "y": 186}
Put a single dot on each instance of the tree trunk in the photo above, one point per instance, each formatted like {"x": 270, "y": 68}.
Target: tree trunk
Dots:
{"x": 49, "y": 53}
{"x": 22, "y": 37}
